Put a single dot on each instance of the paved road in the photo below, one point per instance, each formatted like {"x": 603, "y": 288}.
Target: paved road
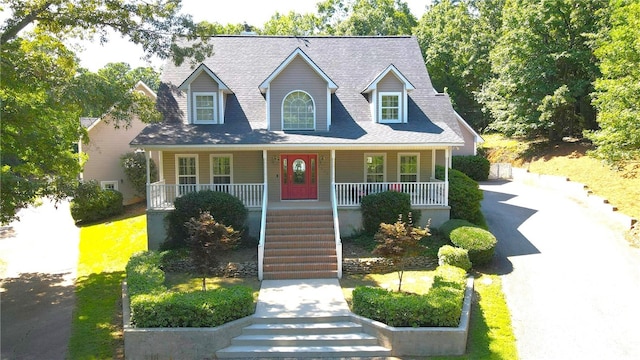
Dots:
{"x": 38, "y": 259}
{"x": 571, "y": 281}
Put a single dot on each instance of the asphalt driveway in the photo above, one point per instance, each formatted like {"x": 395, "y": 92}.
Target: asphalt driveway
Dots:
{"x": 38, "y": 259}
{"x": 571, "y": 281}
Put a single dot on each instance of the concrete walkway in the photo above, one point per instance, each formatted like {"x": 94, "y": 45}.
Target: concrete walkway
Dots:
{"x": 571, "y": 281}
{"x": 301, "y": 298}
{"x": 38, "y": 259}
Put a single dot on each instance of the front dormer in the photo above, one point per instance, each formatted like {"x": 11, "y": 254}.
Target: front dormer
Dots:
{"x": 388, "y": 96}
{"x": 298, "y": 95}
{"x": 206, "y": 95}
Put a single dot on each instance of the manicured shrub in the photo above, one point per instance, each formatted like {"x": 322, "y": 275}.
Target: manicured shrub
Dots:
{"x": 194, "y": 309}
{"x": 134, "y": 165}
{"x": 441, "y": 306}
{"x": 449, "y": 255}
{"x": 91, "y": 203}
{"x": 464, "y": 196}
{"x": 224, "y": 207}
{"x": 480, "y": 243}
{"x": 144, "y": 275}
{"x": 385, "y": 207}
{"x": 474, "y": 166}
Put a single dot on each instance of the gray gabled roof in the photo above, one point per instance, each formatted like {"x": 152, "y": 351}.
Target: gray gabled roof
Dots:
{"x": 244, "y": 62}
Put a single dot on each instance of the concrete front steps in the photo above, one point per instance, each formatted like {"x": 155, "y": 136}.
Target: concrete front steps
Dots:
{"x": 299, "y": 244}
{"x": 335, "y": 337}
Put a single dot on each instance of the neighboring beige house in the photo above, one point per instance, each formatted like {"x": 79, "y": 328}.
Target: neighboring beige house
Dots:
{"x": 300, "y": 129}
{"x": 105, "y": 146}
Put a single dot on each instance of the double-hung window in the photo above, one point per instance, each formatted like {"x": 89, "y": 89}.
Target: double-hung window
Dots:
{"x": 408, "y": 167}
{"x": 205, "y": 108}
{"x": 389, "y": 110}
{"x": 187, "y": 173}
{"x": 221, "y": 166}
{"x": 374, "y": 168}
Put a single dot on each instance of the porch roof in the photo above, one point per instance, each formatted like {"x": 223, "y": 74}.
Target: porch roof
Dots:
{"x": 351, "y": 62}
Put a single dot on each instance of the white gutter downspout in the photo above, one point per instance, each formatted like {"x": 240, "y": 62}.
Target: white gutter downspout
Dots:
{"x": 147, "y": 155}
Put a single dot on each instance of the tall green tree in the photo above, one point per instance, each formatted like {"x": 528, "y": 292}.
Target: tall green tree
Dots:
{"x": 40, "y": 101}
{"x": 455, "y": 38}
{"x": 366, "y": 17}
{"x": 617, "y": 91}
{"x": 292, "y": 23}
{"x": 543, "y": 68}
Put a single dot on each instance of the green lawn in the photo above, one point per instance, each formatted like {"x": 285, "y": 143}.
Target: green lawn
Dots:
{"x": 105, "y": 249}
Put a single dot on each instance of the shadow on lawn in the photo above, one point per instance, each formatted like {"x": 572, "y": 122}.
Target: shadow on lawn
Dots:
{"x": 97, "y": 321}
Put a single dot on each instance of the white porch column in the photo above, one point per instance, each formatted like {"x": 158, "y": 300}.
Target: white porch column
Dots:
{"x": 333, "y": 167}
{"x": 160, "y": 166}
{"x": 447, "y": 161}
{"x": 147, "y": 156}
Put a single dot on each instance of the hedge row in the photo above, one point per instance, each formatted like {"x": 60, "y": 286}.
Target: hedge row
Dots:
{"x": 474, "y": 166}
{"x": 92, "y": 203}
{"x": 385, "y": 207}
{"x": 153, "y": 306}
{"x": 441, "y": 306}
{"x": 464, "y": 196}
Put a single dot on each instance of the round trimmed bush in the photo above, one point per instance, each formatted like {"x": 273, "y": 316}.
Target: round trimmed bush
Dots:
{"x": 91, "y": 203}
{"x": 385, "y": 207}
{"x": 450, "y": 225}
{"x": 449, "y": 255}
{"x": 225, "y": 208}
{"x": 480, "y": 243}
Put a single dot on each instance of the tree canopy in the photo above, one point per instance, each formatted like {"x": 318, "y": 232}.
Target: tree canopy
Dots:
{"x": 43, "y": 92}
{"x": 617, "y": 91}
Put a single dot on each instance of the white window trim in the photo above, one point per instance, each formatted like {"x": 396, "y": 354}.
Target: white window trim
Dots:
{"x": 417, "y": 155}
{"x": 194, "y": 111}
{"x": 104, "y": 183}
{"x": 230, "y": 156}
{"x": 315, "y": 111}
{"x": 400, "y": 107}
{"x": 178, "y": 156}
{"x": 384, "y": 165}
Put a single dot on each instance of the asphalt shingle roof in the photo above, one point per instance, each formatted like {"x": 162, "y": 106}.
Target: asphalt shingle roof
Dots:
{"x": 244, "y": 62}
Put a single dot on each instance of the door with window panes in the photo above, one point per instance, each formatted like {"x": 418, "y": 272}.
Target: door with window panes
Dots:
{"x": 299, "y": 176}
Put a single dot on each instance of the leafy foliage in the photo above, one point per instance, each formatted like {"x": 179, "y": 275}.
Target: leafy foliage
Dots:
{"x": 474, "y": 166}
{"x": 617, "y": 91}
{"x": 455, "y": 38}
{"x": 366, "y": 17}
{"x": 384, "y": 207}
{"x": 464, "y": 196}
{"x": 91, "y": 203}
{"x": 292, "y": 23}
{"x": 480, "y": 243}
{"x": 441, "y": 306}
{"x": 224, "y": 207}
{"x": 193, "y": 309}
{"x": 207, "y": 237}
{"x": 449, "y": 255}
{"x": 398, "y": 241}
{"x": 543, "y": 69}
{"x": 144, "y": 275}
{"x": 134, "y": 165}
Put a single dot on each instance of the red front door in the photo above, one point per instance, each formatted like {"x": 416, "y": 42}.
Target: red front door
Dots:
{"x": 299, "y": 176}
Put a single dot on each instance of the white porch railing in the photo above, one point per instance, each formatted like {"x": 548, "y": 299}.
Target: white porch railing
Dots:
{"x": 421, "y": 193}
{"x": 161, "y": 195}
{"x": 336, "y": 230}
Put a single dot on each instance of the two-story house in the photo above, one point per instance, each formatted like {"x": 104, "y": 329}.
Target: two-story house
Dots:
{"x": 300, "y": 128}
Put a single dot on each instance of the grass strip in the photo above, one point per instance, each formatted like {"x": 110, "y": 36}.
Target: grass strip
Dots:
{"x": 105, "y": 248}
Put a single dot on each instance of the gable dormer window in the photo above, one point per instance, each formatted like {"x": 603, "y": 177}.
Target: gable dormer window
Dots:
{"x": 204, "y": 108}
{"x": 298, "y": 111}
{"x": 390, "y": 110}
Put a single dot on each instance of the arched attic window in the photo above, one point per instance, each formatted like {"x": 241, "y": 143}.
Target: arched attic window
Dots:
{"x": 298, "y": 111}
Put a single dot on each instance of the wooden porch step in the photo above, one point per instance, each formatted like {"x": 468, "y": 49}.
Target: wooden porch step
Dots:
{"x": 301, "y": 267}
{"x": 304, "y": 259}
{"x": 291, "y": 229}
{"x": 301, "y": 239}
{"x": 276, "y": 218}
{"x": 299, "y": 212}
